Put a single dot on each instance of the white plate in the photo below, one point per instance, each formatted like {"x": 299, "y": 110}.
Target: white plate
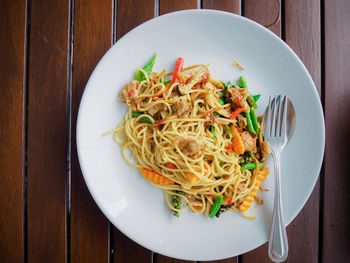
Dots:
{"x": 138, "y": 208}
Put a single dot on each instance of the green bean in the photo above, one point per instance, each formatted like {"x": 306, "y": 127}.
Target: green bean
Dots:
{"x": 256, "y": 97}
{"x": 216, "y": 206}
{"x": 212, "y": 130}
{"x": 250, "y": 124}
{"x": 137, "y": 114}
{"x": 250, "y": 166}
{"x": 223, "y": 84}
{"x": 243, "y": 82}
{"x": 148, "y": 69}
{"x": 254, "y": 121}
{"x": 228, "y": 130}
{"x": 252, "y": 102}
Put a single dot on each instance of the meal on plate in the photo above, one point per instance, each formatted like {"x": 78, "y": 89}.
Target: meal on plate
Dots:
{"x": 196, "y": 137}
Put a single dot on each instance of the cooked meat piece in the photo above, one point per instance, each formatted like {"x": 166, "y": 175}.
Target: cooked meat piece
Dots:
{"x": 265, "y": 150}
{"x": 130, "y": 90}
{"x": 239, "y": 98}
{"x": 189, "y": 146}
{"x": 156, "y": 108}
{"x": 241, "y": 186}
{"x": 241, "y": 121}
{"x": 248, "y": 142}
{"x": 182, "y": 107}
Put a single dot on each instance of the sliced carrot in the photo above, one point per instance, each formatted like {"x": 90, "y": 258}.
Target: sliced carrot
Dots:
{"x": 260, "y": 177}
{"x": 131, "y": 92}
{"x": 159, "y": 123}
{"x": 155, "y": 177}
{"x": 237, "y": 141}
{"x": 192, "y": 178}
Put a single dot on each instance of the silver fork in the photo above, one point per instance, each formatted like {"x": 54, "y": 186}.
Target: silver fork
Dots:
{"x": 275, "y": 132}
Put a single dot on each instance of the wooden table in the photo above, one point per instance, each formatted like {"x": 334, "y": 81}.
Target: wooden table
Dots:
{"x": 48, "y": 51}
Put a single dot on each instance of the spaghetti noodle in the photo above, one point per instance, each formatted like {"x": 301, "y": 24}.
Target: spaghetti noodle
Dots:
{"x": 195, "y": 137}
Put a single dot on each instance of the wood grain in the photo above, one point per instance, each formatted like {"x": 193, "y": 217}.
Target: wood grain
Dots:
{"x": 12, "y": 125}
{"x": 167, "y": 6}
{"x": 47, "y": 130}
{"x": 129, "y": 15}
{"x": 303, "y": 35}
{"x": 92, "y": 38}
{"x": 233, "y": 6}
{"x": 336, "y": 215}
{"x": 264, "y": 12}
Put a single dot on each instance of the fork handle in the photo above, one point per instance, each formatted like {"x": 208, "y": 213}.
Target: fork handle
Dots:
{"x": 278, "y": 245}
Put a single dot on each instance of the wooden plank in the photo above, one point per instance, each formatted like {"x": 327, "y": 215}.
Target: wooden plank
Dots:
{"x": 265, "y": 12}
{"x": 233, "y": 6}
{"x": 303, "y": 35}
{"x": 336, "y": 216}
{"x": 129, "y": 15}
{"x": 167, "y": 6}
{"x": 12, "y": 75}
{"x": 47, "y": 130}
{"x": 93, "y": 31}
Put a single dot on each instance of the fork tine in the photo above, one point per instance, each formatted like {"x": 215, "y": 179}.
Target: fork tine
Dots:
{"x": 284, "y": 122}
{"x": 278, "y": 115}
{"x": 273, "y": 117}
{"x": 267, "y": 119}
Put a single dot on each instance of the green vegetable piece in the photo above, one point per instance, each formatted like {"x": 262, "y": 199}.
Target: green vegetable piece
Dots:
{"x": 228, "y": 130}
{"x": 137, "y": 114}
{"x": 224, "y": 84}
{"x": 254, "y": 121}
{"x": 166, "y": 81}
{"x": 256, "y": 97}
{"x": 250, "y": 124}
{"x": 216, "y": 206}
{"x": 252, "y": 102}
{"x": 243, "y": 82}
{"x": 221, "y": 101}
{"x": 176, "y": 202}
{"x": 148, "y": 69}
{"x": 250, "y": 166}
{"x": 212, "y": 131}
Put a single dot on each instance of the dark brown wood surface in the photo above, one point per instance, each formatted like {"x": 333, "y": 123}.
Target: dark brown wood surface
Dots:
{"x": 336, "y": 196}
{"x": 130, "y": 14}
{"x": 47, "y": 135}
{"x": 92, "y": 37}
{"x": 48, "y": 51}
{"x": 12, "y": 128}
